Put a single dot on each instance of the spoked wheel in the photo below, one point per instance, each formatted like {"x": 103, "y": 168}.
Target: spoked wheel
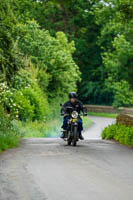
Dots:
{"x": 75, "y": 136}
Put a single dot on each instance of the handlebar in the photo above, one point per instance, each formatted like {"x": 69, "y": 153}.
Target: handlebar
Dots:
{"x": 65, "y": 115}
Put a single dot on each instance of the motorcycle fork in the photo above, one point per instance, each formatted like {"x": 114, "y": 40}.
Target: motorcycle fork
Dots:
{"x": 72, "y": 128}
{"x": 68, "y": 133}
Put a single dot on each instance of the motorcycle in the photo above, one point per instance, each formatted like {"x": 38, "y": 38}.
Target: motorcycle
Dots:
{"x": 72, "y": 132}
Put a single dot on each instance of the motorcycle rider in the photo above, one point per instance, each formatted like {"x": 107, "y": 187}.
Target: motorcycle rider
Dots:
{"x": 76, "y": 105}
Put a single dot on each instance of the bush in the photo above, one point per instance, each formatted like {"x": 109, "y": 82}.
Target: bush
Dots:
{"x": 21, "y": 80}
{"x": 123, "y": 94}
{"x": 4, "y": 120}
{"x": 119, "y": 133}
{"x": 24, "y": 99}
{"x": 25, "y": 111}
{"x": 15, "y": 103}
{"x": 39, "y": 102}
{"x": 43, "y": 79}
{"x": 9, "y": 135}
{"x": 29, "y": 104}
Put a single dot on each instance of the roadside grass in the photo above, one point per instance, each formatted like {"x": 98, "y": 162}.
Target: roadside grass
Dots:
{"x": 86, "y": 122}
{"x": 8, "y": 140}
{"x": 46, "y": 129}
{"x": 10, "y": 134}
{"x": 40, "y": 129}
{"x": 109, "y": 115}
{"x": 11, "y": 139}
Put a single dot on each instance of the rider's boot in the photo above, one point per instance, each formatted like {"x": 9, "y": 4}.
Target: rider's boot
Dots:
{"x": 63, "y": 134}
{"x": 81, "y": 136}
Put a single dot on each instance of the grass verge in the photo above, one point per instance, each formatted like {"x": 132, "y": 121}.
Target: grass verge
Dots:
{"x": 120, "y": 133}
{"x": 46, "y": 129}
{"x": 9, "y": 141}
{"x": 86, "y": 122}
{"x": 109, "y": 115}
{"x": 41, "y": 129}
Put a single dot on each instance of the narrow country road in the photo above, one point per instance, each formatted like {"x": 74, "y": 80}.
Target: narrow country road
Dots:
{"x": 98, "y": 124}
{"x": 47, "y": 169}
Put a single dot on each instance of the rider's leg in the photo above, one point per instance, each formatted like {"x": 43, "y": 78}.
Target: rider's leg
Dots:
{"x": 80, "y": 129}
{"x": 64, "y": 126}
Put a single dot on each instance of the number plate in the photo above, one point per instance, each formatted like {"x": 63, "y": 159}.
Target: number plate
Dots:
{"x": 74, "y": 120}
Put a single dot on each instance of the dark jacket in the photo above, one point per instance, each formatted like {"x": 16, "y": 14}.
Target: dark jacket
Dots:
{"x": 78, "y": 106}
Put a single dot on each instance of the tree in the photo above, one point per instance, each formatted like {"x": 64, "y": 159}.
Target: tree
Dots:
{"x": 75, "y": 19}
{"x": 116, "y": 40}
{"x": 10, "y": 58}
{"x": 52, "y": 55}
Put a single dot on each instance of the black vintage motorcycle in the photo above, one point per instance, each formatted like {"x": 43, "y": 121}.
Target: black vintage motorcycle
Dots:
{"x": 72, "y": 133}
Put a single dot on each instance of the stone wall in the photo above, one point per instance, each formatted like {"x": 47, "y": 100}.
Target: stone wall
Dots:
{"x": 125, "y": 119}
{"x": 108, "y": 109}
{"x": 101, "y": 109}
{"x": 126, "y": 111}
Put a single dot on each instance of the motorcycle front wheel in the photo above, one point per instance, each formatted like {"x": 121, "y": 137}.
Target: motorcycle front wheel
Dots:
{"x": 69, "y": 140}
{"x": 75, "y": 136}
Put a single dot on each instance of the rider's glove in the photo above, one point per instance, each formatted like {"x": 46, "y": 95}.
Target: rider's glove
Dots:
{"x": 62, "y": 114}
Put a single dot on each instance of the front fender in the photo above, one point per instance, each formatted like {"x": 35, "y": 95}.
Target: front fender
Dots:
{"x": 74, "y": 125}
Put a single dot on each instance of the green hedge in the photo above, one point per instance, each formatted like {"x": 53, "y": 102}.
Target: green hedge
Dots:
{"x": 120, "y": 133}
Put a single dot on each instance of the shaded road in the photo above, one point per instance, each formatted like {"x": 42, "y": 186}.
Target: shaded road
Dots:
{"x": 48, "y": 169}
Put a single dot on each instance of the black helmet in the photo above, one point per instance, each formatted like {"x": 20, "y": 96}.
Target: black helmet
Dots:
{"x": 72, "y": 95}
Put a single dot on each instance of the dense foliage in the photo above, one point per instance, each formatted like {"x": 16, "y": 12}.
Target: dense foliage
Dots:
{"x": 42, "y": 72}
{"x": 116, "y": 39}
{"x": 120, "y": 133}
{"x": 37, "y": 71}
{"x": 10, "y": 58}
{"x": 102, "y": 34}
{"x": 102, "y": 31}
{"x": 48, "y": 48}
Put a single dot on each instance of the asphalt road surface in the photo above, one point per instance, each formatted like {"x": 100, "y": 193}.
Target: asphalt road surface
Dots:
{"x": 47, "y": 169}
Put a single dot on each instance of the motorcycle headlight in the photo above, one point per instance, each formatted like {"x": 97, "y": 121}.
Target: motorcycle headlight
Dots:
{"x": 75, "y": 114}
